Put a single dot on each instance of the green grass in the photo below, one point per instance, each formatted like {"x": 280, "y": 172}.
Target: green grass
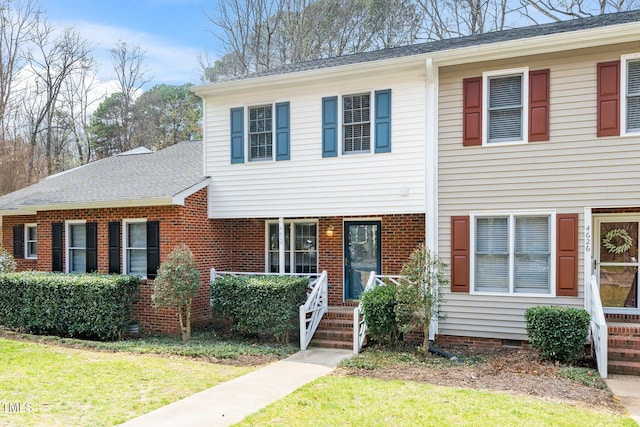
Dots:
{"x": 59, "y": 386}
{"x": 586, "y": 376}
{"x": 202, "y": 345}
{"x": 353, "y": 401}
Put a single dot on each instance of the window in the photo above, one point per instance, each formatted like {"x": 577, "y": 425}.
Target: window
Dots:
{"x": 136, "y": 248}
{"x": 301, "y": 247}
{"x": 31, "y": 241}
{"x": 356, "y": 123}
{"x": 631, "y": 86}
{"x": 512, "y": 253}
{"x": 506, "y": 113}
{"x": 77, "y": 247}
{"x": 260, "y": 133}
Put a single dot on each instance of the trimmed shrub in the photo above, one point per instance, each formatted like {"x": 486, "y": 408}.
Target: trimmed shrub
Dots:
{"x": 558, "y": 333}
{"x": 69, "y": 305}
{"x": 266, "y": 306}
{"x": 379, "y": 305}
{"x": 7, "y": 263}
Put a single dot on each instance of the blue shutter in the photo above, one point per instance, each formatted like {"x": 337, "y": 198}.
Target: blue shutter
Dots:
{"x": 282, "y": 131}
{"x": 383, "y": 121}
{"x": 330, "y": 127}
{"x": 237, "y": 135}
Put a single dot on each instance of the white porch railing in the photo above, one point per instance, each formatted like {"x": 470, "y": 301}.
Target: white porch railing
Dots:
{"x": 598, "y": 329}
{"x": 359, "y": 324}
{"x": 313, "y": 309}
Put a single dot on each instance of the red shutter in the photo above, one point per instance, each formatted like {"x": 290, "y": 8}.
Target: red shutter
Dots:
{"x": 460, "y": 248}
{"x": 609, "y": 98}
{"x": 539, "y": 105}
{"x": 567, "y": 255}
{"x": 472, "y": 111}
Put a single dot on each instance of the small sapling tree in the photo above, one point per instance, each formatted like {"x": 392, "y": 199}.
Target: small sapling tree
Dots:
{"x": 176, "y": 284}
{"x": 418, "y": 296}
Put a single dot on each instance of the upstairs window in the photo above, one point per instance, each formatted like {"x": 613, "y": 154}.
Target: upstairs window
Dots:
{"x": 632, "y": 86}
{"x": 260, "y": 133}
{"x": 31, "y": 241}
{"x": 506, "y": 111}
{"x": 357, "y": 123}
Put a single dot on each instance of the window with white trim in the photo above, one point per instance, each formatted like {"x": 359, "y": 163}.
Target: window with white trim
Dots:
{"x": 261, "y": 132}
{"x": 356, "y": 120}
{"x": 77, "y": 247}
{"x": 31, "y": 241}
{"x": 135, "y": 244}
{"x": 301, "y": 247}
{"x": 512, "y": 253}
{"x": 631, "y": 98}
{"x": 505, "y": 97}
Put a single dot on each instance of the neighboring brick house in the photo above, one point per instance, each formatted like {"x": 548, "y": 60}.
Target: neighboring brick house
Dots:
{"x": 122, "y": 214}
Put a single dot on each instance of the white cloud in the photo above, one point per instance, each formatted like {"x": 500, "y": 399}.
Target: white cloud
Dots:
{"x": 165, "y": 62}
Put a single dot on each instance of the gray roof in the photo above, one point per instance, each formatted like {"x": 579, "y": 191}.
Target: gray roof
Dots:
{"x": 127, "y": 178}
{"x": 460, "y": 42}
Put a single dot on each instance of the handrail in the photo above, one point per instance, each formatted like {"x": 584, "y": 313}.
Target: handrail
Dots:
{"x": 359, "y": 324}
{"x": 313, "y": 309}
{"x": 598, "y": 327}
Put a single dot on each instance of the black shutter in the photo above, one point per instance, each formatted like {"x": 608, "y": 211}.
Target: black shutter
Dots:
{"x": 56, "y": 246}
{"x": 153, "y": 248}
{"x": 18, "y": 241}
{"x": 92, "y": 246}
{"x": 114, "y": 248}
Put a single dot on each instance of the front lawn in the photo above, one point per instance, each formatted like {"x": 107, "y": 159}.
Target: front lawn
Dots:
{"x": 351, "y": 401}
{"x": 58, "y": 386}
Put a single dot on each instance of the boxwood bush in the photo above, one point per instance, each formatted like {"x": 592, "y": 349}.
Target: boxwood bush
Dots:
{"x": 558, "y": 333}
{"x": 69, "y": 305}
{"x": 264, "y": 306}
{"x": 379, "y": 305}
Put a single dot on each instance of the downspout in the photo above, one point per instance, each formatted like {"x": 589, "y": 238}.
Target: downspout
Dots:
{"x": 431, "y": 167}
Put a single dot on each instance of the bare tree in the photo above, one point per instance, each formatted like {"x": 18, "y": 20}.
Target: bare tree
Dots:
{"x": 128, "y": 64}
{"x": 558, "y": 10}
{"x": 56, "y": 58}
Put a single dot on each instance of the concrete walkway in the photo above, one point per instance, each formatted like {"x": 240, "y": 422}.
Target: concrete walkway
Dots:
{"x": 627, "y": 389}
{"x": 230, "y": 402}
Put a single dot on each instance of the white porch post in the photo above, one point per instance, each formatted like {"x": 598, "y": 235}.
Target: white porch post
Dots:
{"x": 281, "y": 266}
{"x": 588, "y": 255}
{"x": 431, "y": 166}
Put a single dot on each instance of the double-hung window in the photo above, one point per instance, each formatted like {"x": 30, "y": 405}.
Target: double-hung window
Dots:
{"x": 260, "y": 133}
{"x": 136, "y": 247}
{"x": 631, "y": 88}
{"x": 356, "y": 119}
{"x": 505, "y": 95}
{"x": 77, "y": 247}
{"x": 300, "y": 247}
{"x": 31, "y": 241}
{"x": 512, "y": 253}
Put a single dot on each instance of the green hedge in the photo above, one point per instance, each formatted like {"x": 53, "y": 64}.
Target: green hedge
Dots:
{"x": 558, "y": 333}
{"x": 266, "y": 306}
{"x": 70, "y": 305}
{"x": 379, "y": 306}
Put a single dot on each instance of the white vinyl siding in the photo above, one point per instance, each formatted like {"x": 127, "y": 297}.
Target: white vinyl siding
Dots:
{"x": 312, "y": 186}
{"x": 505, "y": 95}
{"x": 572, "y": 171}
{"x": 135, "y": 247}
{"x": 31, "y": 241}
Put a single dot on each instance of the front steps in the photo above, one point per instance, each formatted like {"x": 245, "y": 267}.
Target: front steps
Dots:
{"x": 335, "y": 329}
{"x": 624, "y": 348}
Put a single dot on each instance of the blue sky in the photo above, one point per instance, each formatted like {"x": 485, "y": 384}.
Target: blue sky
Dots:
{"x": 172, "y": 32}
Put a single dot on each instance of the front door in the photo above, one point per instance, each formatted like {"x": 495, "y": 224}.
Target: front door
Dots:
{"x": 361, "y": 255}
{"x": 617, "y": 263}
